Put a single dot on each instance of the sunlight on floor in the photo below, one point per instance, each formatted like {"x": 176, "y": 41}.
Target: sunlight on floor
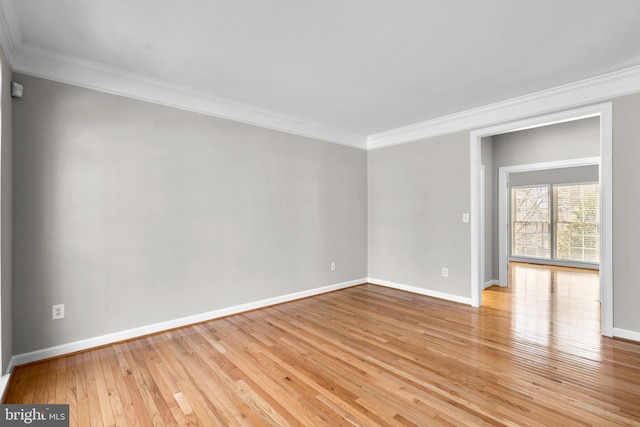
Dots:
{"x": 551, "y": 305}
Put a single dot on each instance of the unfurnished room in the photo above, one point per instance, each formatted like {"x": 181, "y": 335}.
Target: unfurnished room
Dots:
{"x": 336, "y": 213}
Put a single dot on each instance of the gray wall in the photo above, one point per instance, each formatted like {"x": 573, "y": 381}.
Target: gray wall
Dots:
{"x": 418, "y": 190}
{"x": 153, "y": 214}
{"x": 626, "y": 234}
{"x": 132, "y": 213}
{"x": 570, "y": 175}
{"x": 562, "y": 141}
{"x": 486, "y": 151}
{"x": 417, "y": 194}
{"x": 6, "y": 215}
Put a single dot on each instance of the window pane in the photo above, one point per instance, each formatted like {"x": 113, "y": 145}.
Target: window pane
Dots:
{"x": 530, "y": 221}
{"x": 577, "y": 222}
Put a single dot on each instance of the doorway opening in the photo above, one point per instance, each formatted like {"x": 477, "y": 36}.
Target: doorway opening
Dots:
{"x": 603, "y": 112}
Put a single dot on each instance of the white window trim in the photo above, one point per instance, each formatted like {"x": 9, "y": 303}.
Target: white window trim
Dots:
{"x": 503, "y": 197}
{"x": 554, "y": 260}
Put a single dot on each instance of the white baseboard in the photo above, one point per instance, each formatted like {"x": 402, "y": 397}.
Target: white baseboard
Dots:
{"x": 626, "y": 334}
{"x": 490, "y": 283}
{"x": 421, "y": 291}
{"x": 73, "y": 347}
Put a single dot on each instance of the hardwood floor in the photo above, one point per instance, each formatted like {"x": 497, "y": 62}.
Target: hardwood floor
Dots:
{"x": 366, "y": 355}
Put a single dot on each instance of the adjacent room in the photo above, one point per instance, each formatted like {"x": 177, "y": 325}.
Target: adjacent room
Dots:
{"x": 545, "y": 222}
{"x": 333, "y": 213}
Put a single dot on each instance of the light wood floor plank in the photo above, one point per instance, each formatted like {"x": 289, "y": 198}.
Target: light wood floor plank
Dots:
{"x": 364, "y": 356}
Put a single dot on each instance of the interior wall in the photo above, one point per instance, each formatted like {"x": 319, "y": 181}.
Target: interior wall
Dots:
{"x": 98, "y": 178}
{"x": 568, "y": 175}
{"x": 626, "y": 234}
{"x": 132, "y": 213}
{"x": 486, "y": 152}
{"x": 562, "y": 141}
{"x": 6, "y": 139}
{"x": 418, "y": 192}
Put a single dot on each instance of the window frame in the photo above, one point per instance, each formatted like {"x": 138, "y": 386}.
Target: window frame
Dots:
{"x": 553, "y": 259}
{"x": 512, "y": 222}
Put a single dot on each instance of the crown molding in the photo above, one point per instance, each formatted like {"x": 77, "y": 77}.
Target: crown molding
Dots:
{"x": 584, "y": 92}
{"x": 63, "y": 68}
{"x": 31, "y": 60}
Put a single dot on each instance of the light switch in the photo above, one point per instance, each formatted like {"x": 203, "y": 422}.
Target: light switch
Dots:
{"x": 465, "y": 217}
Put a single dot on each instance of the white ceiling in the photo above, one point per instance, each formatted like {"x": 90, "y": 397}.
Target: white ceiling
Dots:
{"x": 356, "y": 67}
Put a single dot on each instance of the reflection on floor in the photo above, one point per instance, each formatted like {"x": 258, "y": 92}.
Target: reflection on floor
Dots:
{"x": 549, "y": 303}
{"x": 367, "y": 356}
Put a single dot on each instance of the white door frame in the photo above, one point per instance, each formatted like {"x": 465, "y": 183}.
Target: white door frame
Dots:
{"x": 604, "y": 111}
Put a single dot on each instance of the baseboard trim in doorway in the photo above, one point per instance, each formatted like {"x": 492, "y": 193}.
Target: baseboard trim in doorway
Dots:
{"x": 626, "y": 334}
{"x": 129, "y": 334}
{"x": 490, "y": 283}
{"x": 421, "y": 291}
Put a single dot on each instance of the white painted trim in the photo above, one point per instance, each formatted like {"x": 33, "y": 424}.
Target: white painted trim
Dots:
{"x": 626, "y": 334}
{"x": 568, "y": 163}
{"x": 606, "y": 190}
{"x": 556, "y": 262}
{"x": 171, "y": 324}
{"x": 596, "y": 89}
{"x": 57, "y": 66}
{"x": 503, "y": 225}
{"x": 483, "y": 224}
{"x": 93, "y": 75}
{"x": 421, "y": 291}
{"x": 490, "y": 283}
{"x": 606, "y": 219}
{"x": 503, "y": 200}
{"x": 475, "y": 228}
{"x": 64, "y": 68}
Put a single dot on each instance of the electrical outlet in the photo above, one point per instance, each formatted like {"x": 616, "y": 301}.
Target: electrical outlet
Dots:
{"x": 333, "y": 266}
{"x": 445, "y": 272}
{"x": 57, "y": 311}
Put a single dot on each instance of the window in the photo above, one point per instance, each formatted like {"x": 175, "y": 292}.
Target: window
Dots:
{"x": 562, "y": 227}
{"x": 531, "y": 222}
{"x": 577, "y": 220}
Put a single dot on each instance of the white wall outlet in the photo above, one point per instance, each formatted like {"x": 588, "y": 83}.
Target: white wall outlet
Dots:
{"x": 445, "y": 272}
{"x": 333, "y": 266}
{"x": 465, "y": 217}
{"x": 57, "y": 311}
